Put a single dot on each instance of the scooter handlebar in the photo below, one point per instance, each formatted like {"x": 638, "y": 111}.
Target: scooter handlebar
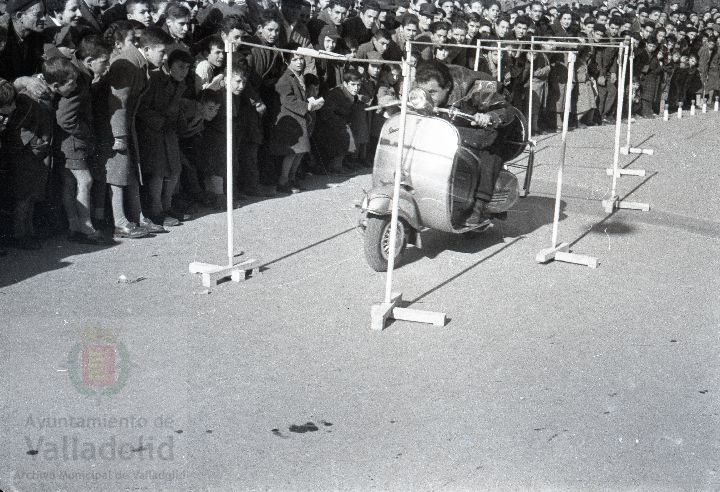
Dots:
{"x": 455, "y": 113}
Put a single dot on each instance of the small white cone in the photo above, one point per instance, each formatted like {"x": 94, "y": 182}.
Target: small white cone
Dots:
{"x": 679, "y": 112}
{"x": 704, "y": 107}
{"x": 717, "y": 104}
{"x": 666, "y": 113}
{"x": 692, "y": 110}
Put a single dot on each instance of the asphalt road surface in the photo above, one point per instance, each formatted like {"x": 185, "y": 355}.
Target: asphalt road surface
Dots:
{"x": 552, "y": 376}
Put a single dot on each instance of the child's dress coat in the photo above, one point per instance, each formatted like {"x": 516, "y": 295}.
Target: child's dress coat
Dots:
{"x": 290, "y": 132}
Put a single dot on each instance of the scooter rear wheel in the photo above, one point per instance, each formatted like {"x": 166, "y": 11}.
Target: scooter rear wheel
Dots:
{"x": 377, "y": 242}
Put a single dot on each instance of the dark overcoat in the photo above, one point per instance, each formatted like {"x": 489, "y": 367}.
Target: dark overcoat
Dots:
{"x": 331, "y": 130}
{"x": 157, "y": 122}
{"x": 128, "y": 78}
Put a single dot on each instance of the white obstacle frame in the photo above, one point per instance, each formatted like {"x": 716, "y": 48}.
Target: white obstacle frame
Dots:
{"x": 389, "y": 308}
{"x": 558, "y": 252}
{"x": 236, "y": 271}
{"x": 627, "y": 149}
{"x": 561, "y": 252}
{"x": 614, "y": 201}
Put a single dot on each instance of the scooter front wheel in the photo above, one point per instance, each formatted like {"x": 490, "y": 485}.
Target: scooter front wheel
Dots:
{"x": 377, "y": 241}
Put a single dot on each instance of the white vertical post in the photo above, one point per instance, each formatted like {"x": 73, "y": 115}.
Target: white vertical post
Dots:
{"x": 530, "y": 92}
{"x": 499, "y": 63}
{"x": 398, "y": 174}
{"x": 566, "y": 118}
{"x": 229, "y": 152}
{"x": 623, "y": 52}
{"x": 477, "y": 56}
{"x": 631, "y": 95}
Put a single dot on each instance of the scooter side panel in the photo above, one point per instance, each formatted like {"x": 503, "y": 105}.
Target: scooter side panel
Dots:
{"x": 428, "y": 161}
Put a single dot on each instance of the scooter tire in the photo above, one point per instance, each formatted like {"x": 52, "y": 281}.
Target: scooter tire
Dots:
{"x": 376, "y": 242}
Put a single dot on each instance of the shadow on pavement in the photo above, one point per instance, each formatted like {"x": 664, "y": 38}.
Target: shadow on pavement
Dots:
{"x": 19, "y": 265}
{"x": 528, "y": 215}
{"x": 461, "y": 273}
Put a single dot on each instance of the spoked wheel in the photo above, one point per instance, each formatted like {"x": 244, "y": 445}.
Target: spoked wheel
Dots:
{"x": 377, "y": 242}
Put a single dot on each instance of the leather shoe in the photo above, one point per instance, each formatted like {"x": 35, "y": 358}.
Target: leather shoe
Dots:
{"x": 478, "y": 216}
{"x": 152, "y": 227}
{"x": 131, "y": 231}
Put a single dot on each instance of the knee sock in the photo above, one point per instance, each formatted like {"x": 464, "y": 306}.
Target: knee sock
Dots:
{"x": 68, "y": 199}
{"x": 118, "y": 205}
{"x": 83, "y": 201}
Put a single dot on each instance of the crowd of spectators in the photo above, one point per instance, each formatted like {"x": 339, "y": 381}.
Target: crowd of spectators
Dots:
{"x": 113, "y": 115}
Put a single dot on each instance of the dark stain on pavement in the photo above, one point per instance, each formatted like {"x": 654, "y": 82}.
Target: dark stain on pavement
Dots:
{"x": 276, "y": 432}
{"x": 179, "y": 431}
{"x": 702, "y": 392}
{"x": 326, "y": 424}
{"x": 302, "y": 429}
{"x": 32, "y": 452}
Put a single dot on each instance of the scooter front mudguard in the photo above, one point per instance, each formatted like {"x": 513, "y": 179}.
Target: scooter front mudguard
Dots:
{"x": 378, "y": 201}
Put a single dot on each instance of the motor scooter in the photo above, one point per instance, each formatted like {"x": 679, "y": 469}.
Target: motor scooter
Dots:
{"x": 439, "y": 176}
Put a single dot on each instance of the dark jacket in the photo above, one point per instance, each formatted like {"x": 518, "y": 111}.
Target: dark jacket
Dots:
{"x": 74, "y": 118}
{"x": 19, "y": 58}
{"x": 91, "y": 19}
{"x": 331, "y": 130}
{"x": 128, "y": 78}
{"x": 158, "y": 119}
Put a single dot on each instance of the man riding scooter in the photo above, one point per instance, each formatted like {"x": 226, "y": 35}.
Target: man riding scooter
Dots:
{"x": 475, "y": 93}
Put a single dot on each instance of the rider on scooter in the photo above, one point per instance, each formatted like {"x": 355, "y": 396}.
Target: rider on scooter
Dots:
{"x": 473, "y": 93}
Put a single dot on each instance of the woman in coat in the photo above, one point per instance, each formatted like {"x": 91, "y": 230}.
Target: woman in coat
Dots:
{"x": 289, "y": 137}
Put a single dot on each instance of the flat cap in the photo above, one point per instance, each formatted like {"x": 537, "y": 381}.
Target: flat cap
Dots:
{"x": 14, "y": 6}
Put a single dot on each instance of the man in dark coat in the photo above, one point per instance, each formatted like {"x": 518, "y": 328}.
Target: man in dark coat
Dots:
{"x": 22, "y": 48}
{"x": 362, "y": 26}
{"x": 474, "y": 93}
{"x": 334, "y": 14}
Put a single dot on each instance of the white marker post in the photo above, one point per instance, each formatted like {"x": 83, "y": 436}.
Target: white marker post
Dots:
{"x": 379, "y": 313}
{"x": 212, "y": 273}
{"x": 614, "y": 202}
{"x": 525, "y": 191}
{"x": 561, "y": 252}
{"x": 477, "y": 56}
{"x": 627, "y": 150}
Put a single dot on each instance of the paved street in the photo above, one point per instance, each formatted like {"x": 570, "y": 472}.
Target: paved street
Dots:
{"x": 552, "y": 376}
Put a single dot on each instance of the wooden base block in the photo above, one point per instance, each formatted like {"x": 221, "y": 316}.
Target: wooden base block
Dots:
{"x": 626, "y": 172}
{"x": 418, "y": 316}
{"x": 609, "y": 205}
{"x": 590, "y": 261}
{"x": 562, "y": 253}
{"x": 636, "y": 150}
{"x": 211, "y": 274}
{"x": 380, "y": 313}
{"x": 645, "y": 207}
{"x": 549, "y": 254}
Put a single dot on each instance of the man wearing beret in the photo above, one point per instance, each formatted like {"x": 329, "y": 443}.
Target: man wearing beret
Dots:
{"x": 21, "y": 56}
